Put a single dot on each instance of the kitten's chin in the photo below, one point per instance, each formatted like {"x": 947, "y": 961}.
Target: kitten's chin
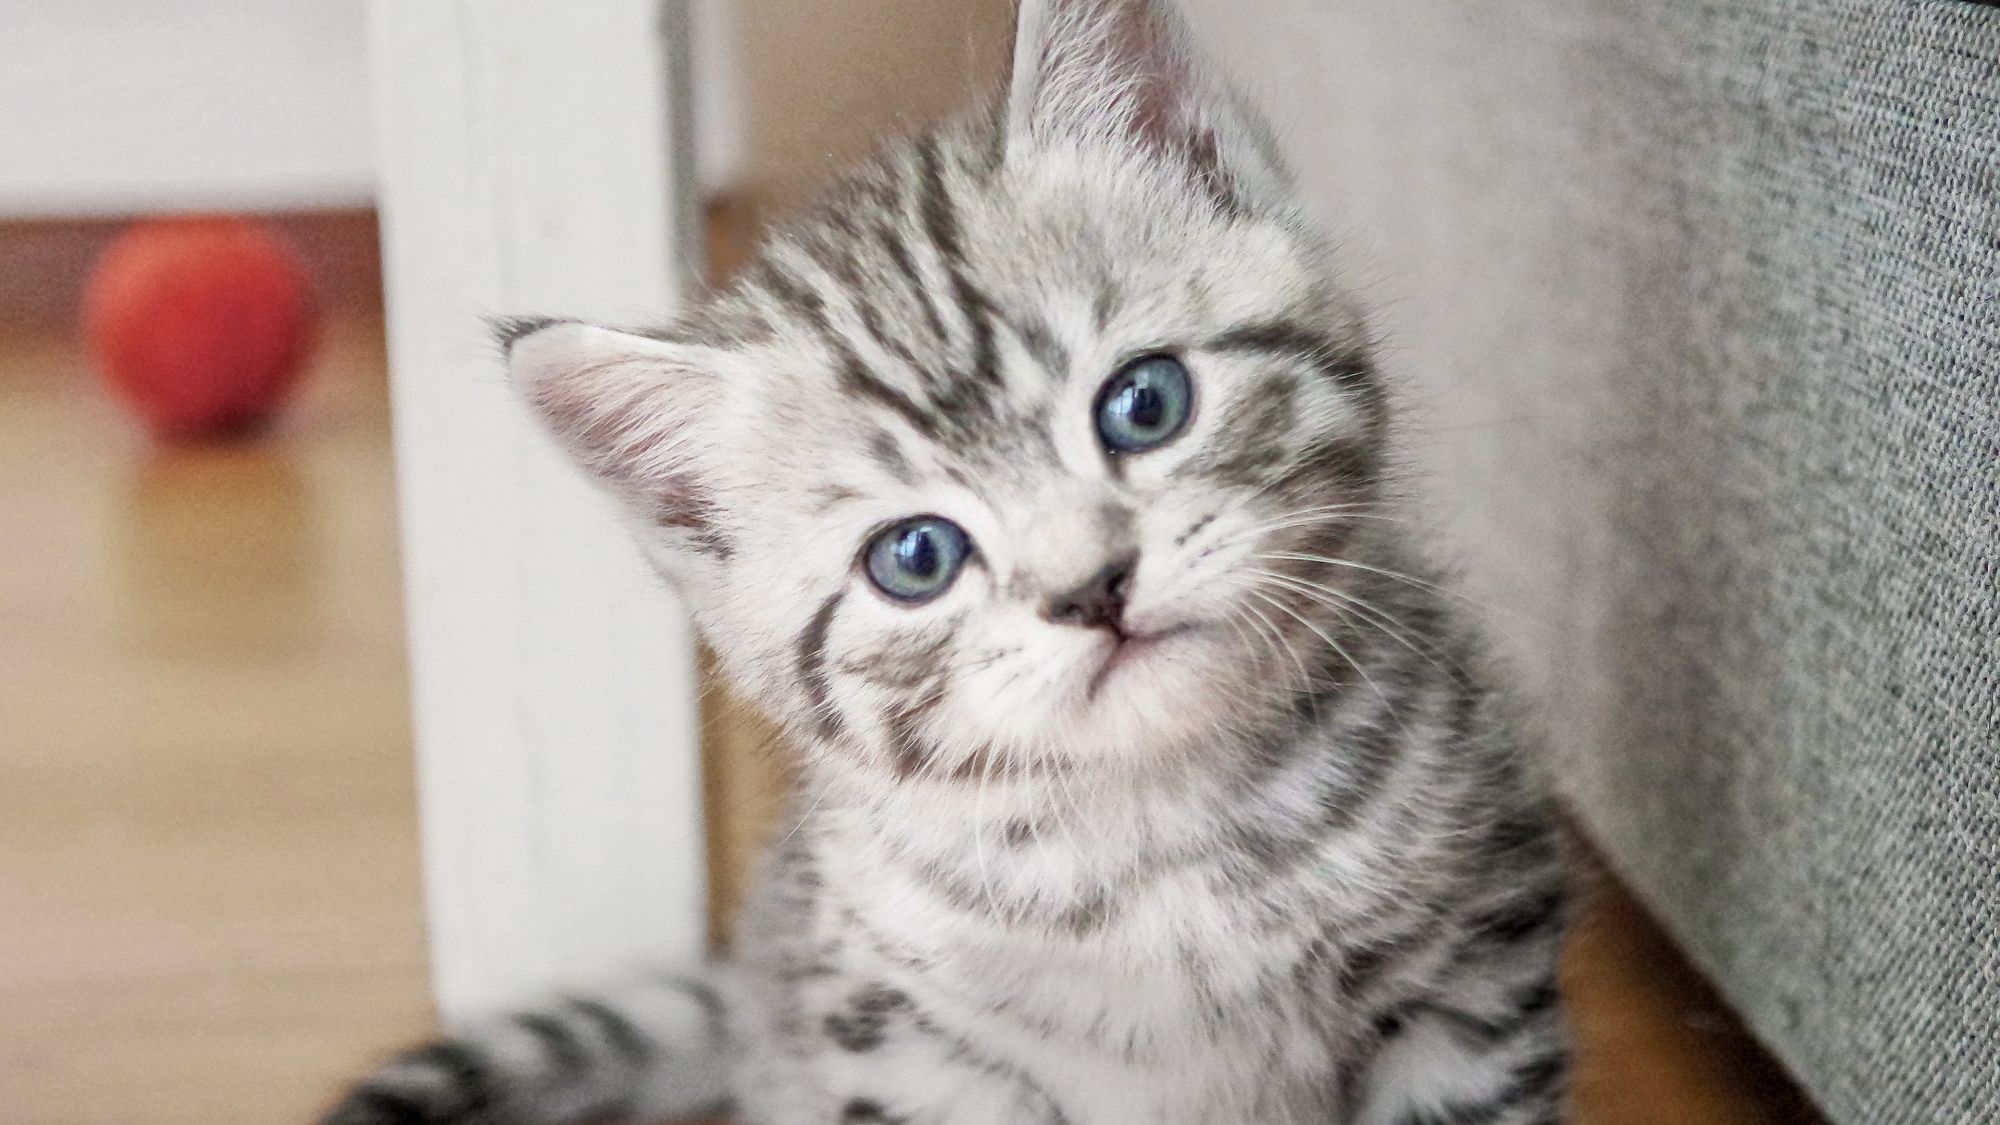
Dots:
{"x": 1154, "y": 700}
{"x": 1152, "y": 697}
{"x": 1125, "y": 657}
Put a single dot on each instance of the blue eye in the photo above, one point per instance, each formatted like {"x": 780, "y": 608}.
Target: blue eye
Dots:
{"x": 915, "y": 560}
{"x": 1145, "y": 405}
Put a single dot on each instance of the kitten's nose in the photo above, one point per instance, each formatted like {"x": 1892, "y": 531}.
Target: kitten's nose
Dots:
{"x": 1099, "y": 603}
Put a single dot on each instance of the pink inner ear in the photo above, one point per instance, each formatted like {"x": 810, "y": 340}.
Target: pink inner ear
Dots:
{"x": 1118, "y": 67}
{"x": 1142, "y": 51}
{"x": 626, "y": 421}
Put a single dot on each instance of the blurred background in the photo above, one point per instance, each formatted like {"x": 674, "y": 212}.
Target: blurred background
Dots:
{"x": 211, "y": 907}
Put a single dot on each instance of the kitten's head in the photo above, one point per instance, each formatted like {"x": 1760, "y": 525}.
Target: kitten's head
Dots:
{"x": 1033, "y": 442}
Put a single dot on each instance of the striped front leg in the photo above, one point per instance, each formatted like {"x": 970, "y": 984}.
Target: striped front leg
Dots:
{"x": 1485, "y": 1043}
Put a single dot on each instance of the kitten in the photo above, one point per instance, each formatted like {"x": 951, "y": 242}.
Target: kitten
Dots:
{"x": 1034, "y": 481}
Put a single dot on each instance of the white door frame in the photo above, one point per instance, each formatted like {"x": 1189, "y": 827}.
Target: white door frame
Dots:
{"x": 534, "y": 159}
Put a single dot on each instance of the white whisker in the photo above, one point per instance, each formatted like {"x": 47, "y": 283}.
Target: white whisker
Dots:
{"x": 1349, "y": 605}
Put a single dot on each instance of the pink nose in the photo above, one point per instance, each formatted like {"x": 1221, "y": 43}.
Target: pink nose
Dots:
{"x": 1099, "y": 603}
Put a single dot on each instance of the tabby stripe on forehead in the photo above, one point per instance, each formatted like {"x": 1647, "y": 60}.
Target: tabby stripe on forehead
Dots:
{"x": 812, "y": 666}
{"x": 871, "y": 323}
{"x": 899, "y": 256}
{"x": 1345, "y": 365}
{"x": 844, "y": 270}
{"x": 941, "y": 223}
{"x": 889, "y": 456}
{"x": 1042, "y": 344}
{"x": 940, "y": 220}
{"x": 856, "y": 379}
{"x": 793, "y": 294}
{"x": 854, "y": 375}
{"x": 899, "y": 253}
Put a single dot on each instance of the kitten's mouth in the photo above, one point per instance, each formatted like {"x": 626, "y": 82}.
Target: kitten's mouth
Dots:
{"x": 1132, "y": 648}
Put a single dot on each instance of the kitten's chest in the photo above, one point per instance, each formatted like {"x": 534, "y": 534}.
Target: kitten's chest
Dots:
{"x": 1172, "y": 1004}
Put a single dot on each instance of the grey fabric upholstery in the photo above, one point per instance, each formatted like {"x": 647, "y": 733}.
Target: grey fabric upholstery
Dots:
{"x": 1703, "y": 299}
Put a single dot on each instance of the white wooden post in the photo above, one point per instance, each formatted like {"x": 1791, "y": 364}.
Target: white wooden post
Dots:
{"x": 533, "y": 158}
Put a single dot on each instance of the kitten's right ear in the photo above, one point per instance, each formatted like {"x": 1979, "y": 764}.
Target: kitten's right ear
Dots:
{"x": 629, "y": 409}
{"x": 1123, "y": 72}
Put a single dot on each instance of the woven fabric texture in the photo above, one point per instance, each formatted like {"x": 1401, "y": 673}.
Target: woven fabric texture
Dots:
{"x": 1702, "y": 300}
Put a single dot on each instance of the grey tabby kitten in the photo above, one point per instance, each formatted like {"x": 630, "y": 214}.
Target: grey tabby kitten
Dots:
{"x": 1034, "y": 482}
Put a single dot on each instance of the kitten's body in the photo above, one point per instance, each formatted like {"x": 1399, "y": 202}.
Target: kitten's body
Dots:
{"x": 1262, "y": 943}
{"x": 1252, "y": 845}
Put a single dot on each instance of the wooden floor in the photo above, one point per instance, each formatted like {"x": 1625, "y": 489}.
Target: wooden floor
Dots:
{"x": 209, "y": 896}
{"x": 209, "y": 892}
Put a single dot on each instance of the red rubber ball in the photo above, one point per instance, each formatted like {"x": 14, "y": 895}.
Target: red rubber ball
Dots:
{"x": 200, "y": 324}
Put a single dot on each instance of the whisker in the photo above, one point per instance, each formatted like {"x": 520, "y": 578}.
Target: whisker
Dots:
{"x": 1305, "y": 677}
{"x": 802, "y": 819}
{"x": 1387, "y": 702}
{"x": 1306, "y": 517}
{"x": 1274, "y": 640}
{"x": 1392, "y": 628}
{"x": 1068, "y": 824}
{"x": 1410, "y": 579}
{"x": 1324, "y": 511}
{"x": 979, "y": 840}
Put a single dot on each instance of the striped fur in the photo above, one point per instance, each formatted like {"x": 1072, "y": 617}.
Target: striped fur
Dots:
{"x": 649, "y": 1049}
{"x": 1280, "y": 863}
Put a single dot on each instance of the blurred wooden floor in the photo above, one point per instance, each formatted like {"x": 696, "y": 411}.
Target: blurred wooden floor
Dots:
{"x": 209, "y": 897}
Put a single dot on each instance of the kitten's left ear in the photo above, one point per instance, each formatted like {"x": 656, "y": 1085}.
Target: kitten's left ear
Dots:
{"x": 1121, "y": 72}
{"x": 632, "y": 410}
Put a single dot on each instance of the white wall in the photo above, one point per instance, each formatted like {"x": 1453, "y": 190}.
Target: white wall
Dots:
{"x": 109, "y": 106}
{"x": 112, "y": 107}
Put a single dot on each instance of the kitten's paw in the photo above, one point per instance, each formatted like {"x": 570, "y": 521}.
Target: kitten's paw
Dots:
{"x": 369, "y": 1109}
{"x": 445, "y": 1083}
{"x": 654, "y": 1047}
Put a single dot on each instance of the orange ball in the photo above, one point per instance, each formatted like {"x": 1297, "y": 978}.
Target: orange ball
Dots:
{"x": 200, "y": 324}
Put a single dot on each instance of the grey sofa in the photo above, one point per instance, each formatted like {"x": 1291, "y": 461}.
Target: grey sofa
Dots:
{"x": 1702, "y": 299}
